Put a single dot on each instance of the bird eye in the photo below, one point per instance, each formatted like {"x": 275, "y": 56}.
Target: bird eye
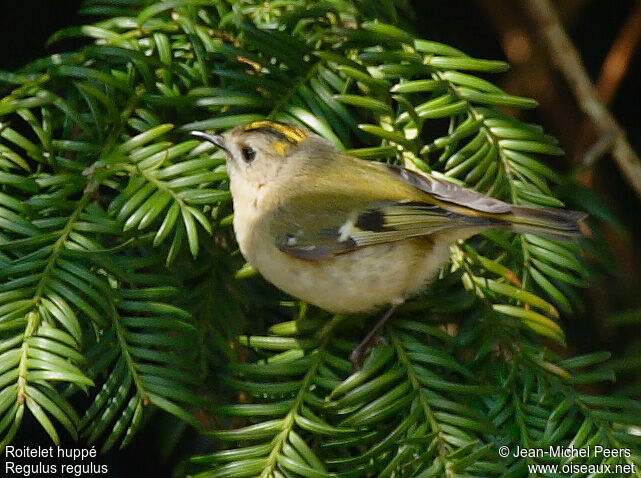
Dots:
{"x": 248, "y": 154}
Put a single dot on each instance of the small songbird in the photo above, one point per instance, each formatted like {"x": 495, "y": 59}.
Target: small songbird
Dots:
{"x": 350, "y": 235}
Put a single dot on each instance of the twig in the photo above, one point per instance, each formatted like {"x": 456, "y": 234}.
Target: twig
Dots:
{"x": 566, "y": 58}
{"x": 613, "y": 70}
{"x": 532, "y": 74}
{"x": 597, "y": 150}
{"x": 617, "y": 61}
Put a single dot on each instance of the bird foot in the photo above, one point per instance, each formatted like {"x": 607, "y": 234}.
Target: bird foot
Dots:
{"x": 374, "y": 337}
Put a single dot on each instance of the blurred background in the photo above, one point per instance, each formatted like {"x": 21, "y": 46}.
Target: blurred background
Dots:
{"x": 606, "y": 34}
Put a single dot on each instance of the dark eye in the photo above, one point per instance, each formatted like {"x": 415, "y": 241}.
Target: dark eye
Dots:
{"x": 248, "y": 154}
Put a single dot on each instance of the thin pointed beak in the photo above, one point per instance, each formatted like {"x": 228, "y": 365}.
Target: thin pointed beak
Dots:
{"x": 217, "y": 139}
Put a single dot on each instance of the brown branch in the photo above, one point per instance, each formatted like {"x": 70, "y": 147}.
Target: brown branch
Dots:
{"x": 617, "y": 61}
{"x": 567, "y": 59}
{"x": 531, "y": 73}
{"x": 613, "y": 70}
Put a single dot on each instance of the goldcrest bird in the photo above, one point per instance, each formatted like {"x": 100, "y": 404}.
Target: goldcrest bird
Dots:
{"x": 350, "y": 235}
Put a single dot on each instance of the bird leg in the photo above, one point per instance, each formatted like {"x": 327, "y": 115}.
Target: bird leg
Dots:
{"x": 358, "y": 354}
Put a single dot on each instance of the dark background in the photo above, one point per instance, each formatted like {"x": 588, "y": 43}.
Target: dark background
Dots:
{"x": 482, "y": 28}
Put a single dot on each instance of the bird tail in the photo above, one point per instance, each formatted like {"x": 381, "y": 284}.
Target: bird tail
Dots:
{"x": 558, "y": 224}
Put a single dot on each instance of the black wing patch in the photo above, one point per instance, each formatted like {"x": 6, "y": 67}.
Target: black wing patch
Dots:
{"x": 372, "y": 220}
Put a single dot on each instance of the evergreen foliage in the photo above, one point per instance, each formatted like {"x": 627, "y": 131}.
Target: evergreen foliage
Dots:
{"x": 105, "y": 203}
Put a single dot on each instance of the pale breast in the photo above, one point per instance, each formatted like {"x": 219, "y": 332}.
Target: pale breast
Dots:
{"x": 357, "y": 281}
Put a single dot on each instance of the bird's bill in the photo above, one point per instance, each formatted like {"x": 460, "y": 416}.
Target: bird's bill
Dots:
{"x": 217, "y": 139}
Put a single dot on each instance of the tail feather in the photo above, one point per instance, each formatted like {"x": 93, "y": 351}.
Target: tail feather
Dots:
{"x": 558, "y": 224}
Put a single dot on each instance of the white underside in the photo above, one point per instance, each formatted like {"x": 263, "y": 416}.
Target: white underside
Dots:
{"x": 357, "y": 281}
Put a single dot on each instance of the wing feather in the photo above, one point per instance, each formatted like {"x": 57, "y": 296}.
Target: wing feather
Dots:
{"x": 383, "y": 203}
{"x": 328, "y": 233}
{"x": 450, "y": 192}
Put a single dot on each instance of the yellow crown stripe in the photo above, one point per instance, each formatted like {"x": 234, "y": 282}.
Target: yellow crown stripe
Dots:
{"x": 292, "y": 133}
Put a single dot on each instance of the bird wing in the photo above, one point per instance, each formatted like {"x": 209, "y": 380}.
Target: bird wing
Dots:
{"x": 324, "y": 233}
{"x": 385, "y": 204}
